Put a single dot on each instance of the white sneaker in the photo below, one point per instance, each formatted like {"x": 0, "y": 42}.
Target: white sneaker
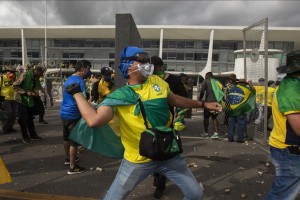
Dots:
{"x": 205, "y": 135}
{"x": 215, "y": 136}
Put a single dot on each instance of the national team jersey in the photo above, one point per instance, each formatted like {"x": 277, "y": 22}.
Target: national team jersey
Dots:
{"x": 282, "y": 134}
{"x": 153, "y": 93}
{"x": 6, "y": 88}
{"x": 104, "y": 88}
{"x": 271, "y": 92}
{"x": 260, "y": 94}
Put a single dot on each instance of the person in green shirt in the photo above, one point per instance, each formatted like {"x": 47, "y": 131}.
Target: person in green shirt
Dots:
{"x": 27, "y": 87}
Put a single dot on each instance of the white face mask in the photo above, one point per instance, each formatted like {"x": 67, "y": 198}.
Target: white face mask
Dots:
{"x": 145, "y": 68}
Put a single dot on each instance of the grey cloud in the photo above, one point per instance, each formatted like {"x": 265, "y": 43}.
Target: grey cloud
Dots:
{"x": 215, "y": 13}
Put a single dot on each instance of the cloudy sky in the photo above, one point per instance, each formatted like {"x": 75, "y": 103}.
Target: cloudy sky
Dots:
{"x": 155, "y": 12}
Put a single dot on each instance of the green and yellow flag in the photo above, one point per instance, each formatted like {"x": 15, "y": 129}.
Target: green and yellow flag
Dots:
{"x": 241, "y": 100}
{"x": 218, "y": 89}
{"x": 106, "y": 140}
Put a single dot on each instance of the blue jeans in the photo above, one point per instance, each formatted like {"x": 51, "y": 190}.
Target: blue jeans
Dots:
{"x": 175, "y": 169}
{"x": 287, "y": 181}
{"x": 240, "y": 122}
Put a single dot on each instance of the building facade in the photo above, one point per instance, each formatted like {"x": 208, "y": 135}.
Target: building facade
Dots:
{"x": 184, "y": 48}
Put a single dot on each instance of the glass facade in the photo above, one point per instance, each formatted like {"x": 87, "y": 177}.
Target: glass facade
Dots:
{"x": 179, "y": 55}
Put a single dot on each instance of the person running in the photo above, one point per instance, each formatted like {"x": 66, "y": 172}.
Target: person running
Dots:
{"x": 70, "y": 115}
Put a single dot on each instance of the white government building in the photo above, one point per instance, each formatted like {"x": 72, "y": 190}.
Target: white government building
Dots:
{"x": 183, "y": 48}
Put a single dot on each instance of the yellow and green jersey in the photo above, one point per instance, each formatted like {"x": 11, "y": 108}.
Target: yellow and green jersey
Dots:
{"x": 121, "y": 136}
{"x": 271, "y": 92}
{"x": 6, "y": 88}
{"x": 282, "y": 134}
{"x": 104, "y": 89}
{"x": 153, "y": 93}
{"x": 260, "y": 94}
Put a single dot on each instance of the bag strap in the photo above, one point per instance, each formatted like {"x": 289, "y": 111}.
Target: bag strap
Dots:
{"x": 143, "y": 112}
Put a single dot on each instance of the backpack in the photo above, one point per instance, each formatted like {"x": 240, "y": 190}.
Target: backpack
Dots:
{"x": 94, "y": 91}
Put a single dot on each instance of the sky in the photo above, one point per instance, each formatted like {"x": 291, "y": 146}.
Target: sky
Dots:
{"x": 199, "y": 13}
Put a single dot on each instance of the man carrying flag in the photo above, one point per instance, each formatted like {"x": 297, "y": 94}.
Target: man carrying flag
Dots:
{"x": 212, "y": 89}
{"x": 241, "y": 100}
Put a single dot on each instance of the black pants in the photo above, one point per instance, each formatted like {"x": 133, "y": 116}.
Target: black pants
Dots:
{"x": 159, "y": 181}
{"x": 25, "y": 121}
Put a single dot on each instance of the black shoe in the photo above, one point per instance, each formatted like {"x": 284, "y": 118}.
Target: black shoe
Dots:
{"x": 240, "y": 141}
{"x": 27, "y": 141}
{"x": 159, "y": 192}
{"x": 12, "y": 130}
{"x": 67, "y": 161}
{"x": 36, "y": 138}
{"x": 76, "y": 170}
{"x": 5, "y": 131}
{"x": 43, "y": 122}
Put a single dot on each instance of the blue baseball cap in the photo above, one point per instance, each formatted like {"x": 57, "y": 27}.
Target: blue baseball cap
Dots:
{"x": 130, "y": 54}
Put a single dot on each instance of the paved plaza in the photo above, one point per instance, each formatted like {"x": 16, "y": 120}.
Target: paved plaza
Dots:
{"x": 228, "y": 171}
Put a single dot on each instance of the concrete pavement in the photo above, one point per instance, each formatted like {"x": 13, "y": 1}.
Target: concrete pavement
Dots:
{"x": 243, "y": 170}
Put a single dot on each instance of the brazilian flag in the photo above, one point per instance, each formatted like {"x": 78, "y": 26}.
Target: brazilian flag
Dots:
{"x": 218, "y": 89}
{"x": 289, "y": 88}
{"x": 241, "y": 100}
{"x": 106, "y": 140}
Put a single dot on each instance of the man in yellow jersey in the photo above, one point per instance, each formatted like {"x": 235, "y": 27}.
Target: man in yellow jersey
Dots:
{"x": 9, "y": 104}
{"x": 260, "y": 99}
{"x": 284, "y": 140}
{"x": 106, "y": 84}
{"x": 271, "y": 91}
{"x": 156, "y": 97}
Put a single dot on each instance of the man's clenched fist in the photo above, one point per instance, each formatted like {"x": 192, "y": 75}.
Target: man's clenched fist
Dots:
{"x": 73, "y": 88}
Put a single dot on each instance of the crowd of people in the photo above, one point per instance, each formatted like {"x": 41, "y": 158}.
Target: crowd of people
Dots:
{"x": 86, "y": 96}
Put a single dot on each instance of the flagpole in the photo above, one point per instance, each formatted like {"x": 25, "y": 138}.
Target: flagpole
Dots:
{"x": 45, "y": 33}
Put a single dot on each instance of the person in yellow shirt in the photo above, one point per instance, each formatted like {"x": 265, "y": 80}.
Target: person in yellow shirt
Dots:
{"x": 106, "y": 83}
{"x": 135, "y": 66}
{"x": 284, "y": 140}
{"x": 260, "y": 99}
{"x": 271, "y": 90}
{"x": 9, "y": 104}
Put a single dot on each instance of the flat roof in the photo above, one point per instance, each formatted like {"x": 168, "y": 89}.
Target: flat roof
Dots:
{"x": 289, "y": 34}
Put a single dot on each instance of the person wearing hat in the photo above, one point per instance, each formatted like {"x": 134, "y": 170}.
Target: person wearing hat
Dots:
{"x": 27, "y": 88}
{"x": 284, "y": 138}
{"x": 271, "y": 90}
{"x": 9, "y": 104}
{"x": 106, "y": 84}
{"x": 156, "y": 96}
{"x": 177, "y": 87}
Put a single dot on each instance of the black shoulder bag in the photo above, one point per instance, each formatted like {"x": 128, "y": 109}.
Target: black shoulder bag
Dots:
{"x": 159, "y": 143}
